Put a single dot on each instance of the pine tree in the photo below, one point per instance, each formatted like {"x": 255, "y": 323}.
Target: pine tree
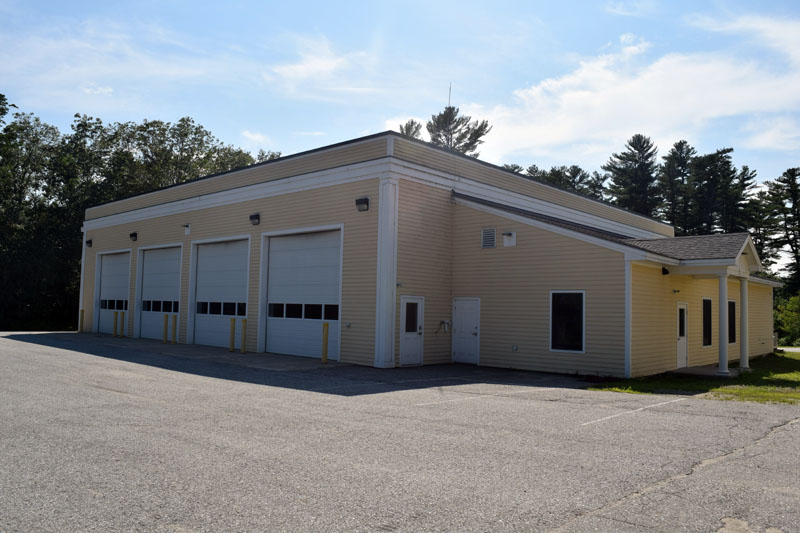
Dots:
{"x": 785, "y": 196}
{"x": 674, "y": 185}
{"x": 412, "y": 129}
{"x": 632, "y": 175}
{"x": 457, "y": 133}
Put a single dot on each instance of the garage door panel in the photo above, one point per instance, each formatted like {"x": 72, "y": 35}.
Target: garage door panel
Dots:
{"x": 160, "y": 283}
{"x": 297, "y": 337}
{"x": 114, "y": 289}
{"x": 303, "y": 269}
{"x": 221, "y": 278}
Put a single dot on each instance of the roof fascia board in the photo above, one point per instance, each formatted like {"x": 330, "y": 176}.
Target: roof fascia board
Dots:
{"x": 443, "y": 180}
{"x": 753, "y": 251}
{"x": 631, "y": 254}
{"x": 461, "y": 157}
{"x": 304, "y": 182}
{"x": 762, "y": 281}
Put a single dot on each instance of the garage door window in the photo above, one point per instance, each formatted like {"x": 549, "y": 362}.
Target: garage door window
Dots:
{"x": 304, "y": 311}
{"x": 220, "y": 308}
{"x": 165, "y": 306}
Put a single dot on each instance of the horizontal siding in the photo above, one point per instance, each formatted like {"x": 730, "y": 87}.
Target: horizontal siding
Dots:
{"x": 332, "y": 158}
{"x": 654, "y": 307}
{"x": 514, "y": 284}
{"x": 761, "y": 319}
{"x": 331, "y": 205}
{"x": 424, "y": 263}
{"x": 420, "y": 154}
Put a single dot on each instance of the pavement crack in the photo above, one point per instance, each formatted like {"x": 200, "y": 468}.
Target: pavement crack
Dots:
{"x": 658, "y": 485}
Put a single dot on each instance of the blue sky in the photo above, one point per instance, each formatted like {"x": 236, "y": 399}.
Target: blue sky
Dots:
{"x": 561, "y": 82}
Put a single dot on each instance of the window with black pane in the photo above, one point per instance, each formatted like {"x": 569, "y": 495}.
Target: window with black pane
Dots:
{"x": 566, "y": 321}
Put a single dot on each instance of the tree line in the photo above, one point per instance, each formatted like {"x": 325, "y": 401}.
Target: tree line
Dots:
{"x": 48, "y": 179}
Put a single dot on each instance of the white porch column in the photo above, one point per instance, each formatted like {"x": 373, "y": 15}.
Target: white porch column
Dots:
{"x": 723, "y": 325}
{"x": 744, "y": 358}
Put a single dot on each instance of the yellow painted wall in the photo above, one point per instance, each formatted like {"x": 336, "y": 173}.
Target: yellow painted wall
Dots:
{"x": 439, "y": 160}
{"x": 319, "y": 207}
{"x": 514, "y": 284}
{"x": 424, "y": 263}
{"x": 654, "y": 319}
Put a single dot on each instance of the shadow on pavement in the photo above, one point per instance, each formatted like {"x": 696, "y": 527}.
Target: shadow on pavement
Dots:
{"x": 289, "y": 371}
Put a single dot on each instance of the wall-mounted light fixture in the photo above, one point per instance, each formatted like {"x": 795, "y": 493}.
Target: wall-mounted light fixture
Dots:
{"x": 187, "y": 229}
{"x": 255, "y": 219}
{"x": 133, "y": 236}
{"x": 675, "y": 291}
{"x": 89, "y": 243}
{"x": 362, "y": 204}
{"x": 664, "y": 271}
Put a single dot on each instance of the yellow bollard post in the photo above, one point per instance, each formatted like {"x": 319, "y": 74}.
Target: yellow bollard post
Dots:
{"x": 174, "y": 328}
{"x": 324, "y": 342}
{"x": 166, "y": 328}
{"x": 116, "y": 315}
{"x": 80, "y": 323}
{"x": 122, "y": 324}
{"x": 243, "y": 347}
{"x": 232, "y": 340}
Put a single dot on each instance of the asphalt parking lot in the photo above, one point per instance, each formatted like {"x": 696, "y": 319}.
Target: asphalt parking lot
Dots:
{"x": 104, "y": 434}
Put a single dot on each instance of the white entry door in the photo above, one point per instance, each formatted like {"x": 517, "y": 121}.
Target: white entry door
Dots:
{"x": 466, "y": 330}
{"x": 683, "y": 353}
{"x": 161, "y": 288}
{"x": 114, "y": 283}
{"x": 412, "y": 327}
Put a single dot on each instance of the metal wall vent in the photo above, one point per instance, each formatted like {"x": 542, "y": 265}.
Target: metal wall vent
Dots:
{"x": 488, "y": 238}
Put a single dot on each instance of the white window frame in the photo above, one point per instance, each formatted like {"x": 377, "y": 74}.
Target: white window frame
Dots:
{"x": 583, "y": 321}
{"x": 702, "y": 320}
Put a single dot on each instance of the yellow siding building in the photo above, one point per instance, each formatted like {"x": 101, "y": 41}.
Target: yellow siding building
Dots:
{"x": 407, "y": 254}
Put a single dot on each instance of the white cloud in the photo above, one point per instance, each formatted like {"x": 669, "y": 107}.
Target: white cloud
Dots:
{"x": 588, "y": 113}
{"x": 775, "y": 133}
{"x": 253, "y": 140}
{"x": 95, "y": 90}
{"x": 321, "y": 73}
{"x": 633, "y": 8}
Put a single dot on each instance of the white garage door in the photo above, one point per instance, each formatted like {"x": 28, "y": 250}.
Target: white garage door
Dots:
{"x": 303, "y": 293}
{"x": 221, "y": 292}
{"x": 160, "y": 291}
{"x": 114, "y": 283}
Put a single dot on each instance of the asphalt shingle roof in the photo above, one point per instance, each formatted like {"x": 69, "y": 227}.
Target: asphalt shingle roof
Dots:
{"x": 718, "y": 246}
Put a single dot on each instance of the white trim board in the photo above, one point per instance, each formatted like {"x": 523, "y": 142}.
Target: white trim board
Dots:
{"x": 386, "y": 279}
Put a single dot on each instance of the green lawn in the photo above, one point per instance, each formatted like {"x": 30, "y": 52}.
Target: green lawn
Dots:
{"x": 774, "y": 379}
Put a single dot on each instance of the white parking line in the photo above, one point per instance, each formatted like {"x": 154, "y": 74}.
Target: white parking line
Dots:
{"x": 632, "y": 411}
{"x": 474, "y": 396}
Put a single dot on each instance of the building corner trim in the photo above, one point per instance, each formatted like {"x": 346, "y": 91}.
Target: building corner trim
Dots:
{"x": 628, "y": 291}
{"x": 386, "y": 273}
